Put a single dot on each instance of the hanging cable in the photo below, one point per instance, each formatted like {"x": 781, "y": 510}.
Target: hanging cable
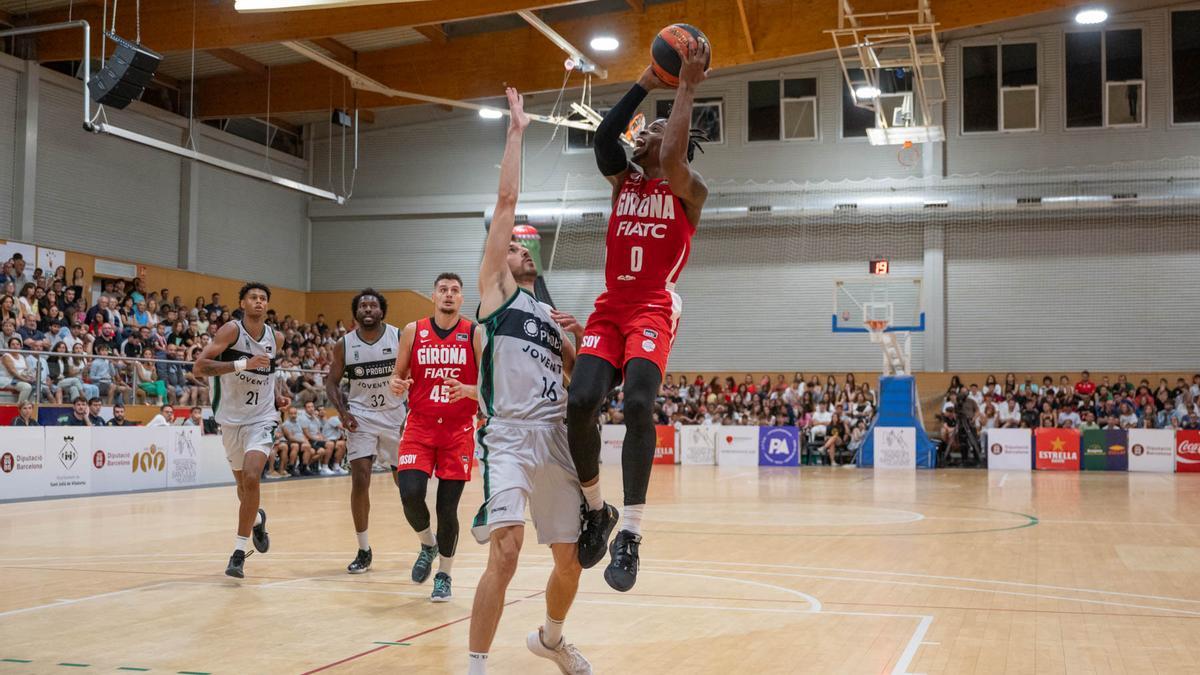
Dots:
{"x": 113, "y": 30}
{"x": 268, "y": 121}
{"x": 191, "y": 141}
{"x": 103, "y": 22}
{"x": 137, "y": 17}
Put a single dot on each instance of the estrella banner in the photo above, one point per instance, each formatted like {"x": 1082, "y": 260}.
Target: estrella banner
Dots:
{"x": 1116, "y": 447}
{"x": 778, "y": 446}
{"x": 1057, "y": 449}
{"x": 1094, "y": 457}
{"x": 664, "y": 444}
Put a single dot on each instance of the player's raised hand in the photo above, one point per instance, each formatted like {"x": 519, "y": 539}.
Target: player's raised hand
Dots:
{"x": 649, "y": 81}
{"x": 695, "y": 63}
{"x": 457, "y": 391}
{"x": 517, "y": 119}
{"x": 399, "y": 385}
{"x": 258, "y": 362}
{"x": 568, "y": 322}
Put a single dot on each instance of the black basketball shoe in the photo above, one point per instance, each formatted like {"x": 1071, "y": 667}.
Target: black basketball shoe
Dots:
{"x": 262, "y": 541}
{"x": 622, "y": 570}
{"x": 236, "y": 562}
{"x": 424, "y": 563}
{"x": 593, "y": 538}
{"x": 362, "y": 562}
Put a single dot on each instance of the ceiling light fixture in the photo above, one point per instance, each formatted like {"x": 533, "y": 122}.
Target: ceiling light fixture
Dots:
{"x": 490, "y": 113}
{"x": 866, "y": 92}
{"x": 1088, "y": 17}
{"x": 605, "y": 43}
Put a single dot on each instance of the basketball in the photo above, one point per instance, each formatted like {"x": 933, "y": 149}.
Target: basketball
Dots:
{"x": 668, "y": 49}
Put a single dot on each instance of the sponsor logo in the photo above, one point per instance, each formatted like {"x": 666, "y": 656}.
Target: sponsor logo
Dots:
{"x": 7, "y": 463}
{"x": 656, "y": 205}
{"x": 650, "y": 333}
{"x": 531, "y": 327}
{"x": 591, "y": 341}
{"x": 387, "y": 350}
{"x": 1057, "y": 457}
{"x": 359, "y": 371}
{"x": 997, "y": 448}
{"x": 636, "y": 229}
{"x": 1117, "y": 449}
{"x": 499, "y": 509}
{"x": 648, "y": 345}
{"x": 462, "y": 337}
{"x": 626, "y": 277}
{"x": 68, "y": 455}
{"x": 440, "y": 355}
{"x": 1138, "y": 449}
{"x": 184, "y": 469}
{"x": 778, "y": 448}
{"x": 424, "y": 333}
{"x": 151, "y": 459}
{"x": 406, "y": 459}
{"x": 355, "y": 354}
{"x": 98, "y": 459}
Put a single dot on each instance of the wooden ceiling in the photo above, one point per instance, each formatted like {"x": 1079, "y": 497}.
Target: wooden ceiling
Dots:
{"x": 463, "y": 54}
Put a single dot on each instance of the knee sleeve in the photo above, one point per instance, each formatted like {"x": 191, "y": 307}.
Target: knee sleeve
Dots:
{"x": 642, "y": 382}
{"x": 413, "y": 485}
{"x": 590, "y": 382}
{"x": 448, "y": 495}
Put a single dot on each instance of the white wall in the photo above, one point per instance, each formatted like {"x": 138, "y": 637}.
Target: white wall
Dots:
{"x": 110, "y": 197}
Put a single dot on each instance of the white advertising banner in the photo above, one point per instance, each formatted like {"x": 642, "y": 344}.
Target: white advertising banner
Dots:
{"x": 22, "y": 462}
{"x": 183, "y": 456}
{"x": 27, "y": 251}
{"x": 895, "y": 448}
{"x": 737, "y": 446}
{"x": 49, "y": 259}
{"x": 68, "y": 466}
{"x": 1009, "y": 449}
{"x": 697, "y": 444}
{"x": 612, "y": 437}
{"x": 1152, "y": 450}
{"x": 129, "y": 458}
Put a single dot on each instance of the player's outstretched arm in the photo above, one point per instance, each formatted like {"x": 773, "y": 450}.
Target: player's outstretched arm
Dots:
{"x": 209, "y": 363}
{"x": 610, "y": 156}
{"x": 400, "y": 376}
{"x": 673, "y": 155}
{"x": 496, "y": 281}
{"x": 333, "y": 388}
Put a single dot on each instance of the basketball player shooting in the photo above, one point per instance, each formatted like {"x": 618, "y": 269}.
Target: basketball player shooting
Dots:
{"x": 656, "y": 207}
{"x": 436, "y": 367}
{"x": 524, "y": 450}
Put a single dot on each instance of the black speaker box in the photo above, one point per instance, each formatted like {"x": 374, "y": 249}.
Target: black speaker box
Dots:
{"x": 125, "y": 75}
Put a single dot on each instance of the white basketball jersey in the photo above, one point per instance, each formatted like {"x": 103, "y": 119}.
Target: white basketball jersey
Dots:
{"x": 369, "y": 368}
{"x": 521, "y": 369}
{"x": 248, "y": 396}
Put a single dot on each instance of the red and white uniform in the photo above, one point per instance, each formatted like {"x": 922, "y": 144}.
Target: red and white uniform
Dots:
{"x": 649, "y": 239}
{"x": 440, "y": 435}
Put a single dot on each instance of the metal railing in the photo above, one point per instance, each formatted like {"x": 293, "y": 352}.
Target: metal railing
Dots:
{"x": 41, "y": 359}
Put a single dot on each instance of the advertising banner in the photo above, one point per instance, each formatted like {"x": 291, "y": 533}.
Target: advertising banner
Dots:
{"x": 1094, "y": 457}
{"x": 778, "y": 446}
{"x": 737, "y": 446}
{"x": 1057, "y": 449}
{"x": 1116, "y": 448}
{"x": 1009, "y": 450}
{"x": 129, "y": 458}
{"x": 664, "y": 444}
{"x": 1152, "y": 450}
{"x": 183, "y": 456}
{"x": 895, "y": 448}
{"x": 698, "y": 444}
{"x": 1187, "y": 451}
{"x": 22, "y": 462}
{"x": 612, "y": 437}
{"x": 68, "y": 466}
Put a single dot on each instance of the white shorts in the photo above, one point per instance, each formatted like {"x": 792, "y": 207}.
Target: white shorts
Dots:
{"x": 373, "y": 440}
{"x": 242, "y": 438}
{"x": 528, "y": 463}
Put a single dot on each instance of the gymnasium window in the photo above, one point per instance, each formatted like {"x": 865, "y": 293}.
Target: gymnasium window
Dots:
{"x": 706, "y": 115}
{"x": 894, "y": 85}
{"x": 1000, "y": 88}
{"x": 579, "y": 140}
{"x": 782, "y": 109}
{"x": 1185, "y": 66}
{"x": 1105, "y": 85}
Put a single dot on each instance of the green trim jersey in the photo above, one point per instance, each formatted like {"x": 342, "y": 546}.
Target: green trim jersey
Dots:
{"x": 369, "y": 368}
{"x": 521, "y": 370}
{"x": 248, "y": 396}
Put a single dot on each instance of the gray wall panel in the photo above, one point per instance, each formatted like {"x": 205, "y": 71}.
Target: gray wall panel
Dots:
{"x": 8, "y": 139}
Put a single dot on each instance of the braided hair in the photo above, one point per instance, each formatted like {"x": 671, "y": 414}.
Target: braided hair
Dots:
{"x": 696, "y": 136}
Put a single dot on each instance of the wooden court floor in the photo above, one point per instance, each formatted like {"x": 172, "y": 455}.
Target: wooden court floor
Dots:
{"x": 745, "y": 570}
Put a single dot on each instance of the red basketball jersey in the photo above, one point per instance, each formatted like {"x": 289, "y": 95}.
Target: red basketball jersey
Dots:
{"x": 434, "y": 359}
{"x": 649, "y": 236}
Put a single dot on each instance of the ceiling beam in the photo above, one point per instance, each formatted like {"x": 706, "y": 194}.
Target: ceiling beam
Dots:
{"x": 236, "y": 58}
{"x": 433, "y": 33}
{"x": 638, "y": 6}
{"x": 741, "y": 5}
{"x": 167, "y": 24}
{"x": 458, "y": 71}
{"x": 340, "y": 51}
{"x": 6, "y": 18}
{"x": 287, "y": 126}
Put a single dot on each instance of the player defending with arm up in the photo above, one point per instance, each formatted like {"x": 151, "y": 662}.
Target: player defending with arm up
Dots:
{"x": 523, "y": 366}
{"x": 629, "y": 335}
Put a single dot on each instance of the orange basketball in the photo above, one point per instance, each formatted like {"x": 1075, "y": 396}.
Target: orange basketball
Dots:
{"x": 668, "y": 49}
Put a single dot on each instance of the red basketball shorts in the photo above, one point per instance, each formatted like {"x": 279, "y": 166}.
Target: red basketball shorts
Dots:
{"x": 432, "y": 446}
{"x": 633, "y": 326}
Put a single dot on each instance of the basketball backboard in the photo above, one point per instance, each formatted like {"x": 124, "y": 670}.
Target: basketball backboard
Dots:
{"x": 896, "y": 300}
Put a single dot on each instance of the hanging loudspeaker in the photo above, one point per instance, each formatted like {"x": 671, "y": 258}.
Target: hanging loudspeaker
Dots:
{"x": 125, "y": 76}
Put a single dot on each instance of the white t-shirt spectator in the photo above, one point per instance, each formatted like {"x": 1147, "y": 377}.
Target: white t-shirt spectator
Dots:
{"x": 332, "y": 430}
{"x": 976, "y": 396}
{"x": 1009, "y": 414}
{"x": 159, "y": 421}
{"x": 1075, "y": 419}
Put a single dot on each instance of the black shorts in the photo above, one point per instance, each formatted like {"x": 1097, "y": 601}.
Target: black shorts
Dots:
{"x": 317, "y": 445}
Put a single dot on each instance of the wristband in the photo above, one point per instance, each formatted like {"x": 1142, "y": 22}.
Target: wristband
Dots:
{"x": 240, "y": 365}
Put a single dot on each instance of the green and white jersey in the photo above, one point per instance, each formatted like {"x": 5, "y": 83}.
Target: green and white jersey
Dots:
{"x": 521, "y": 369}
{"x": 249, "y": 396}
{"x": 369, "y": 368}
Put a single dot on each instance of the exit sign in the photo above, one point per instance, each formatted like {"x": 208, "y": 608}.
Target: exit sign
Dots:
{"x": 879, "y": 268}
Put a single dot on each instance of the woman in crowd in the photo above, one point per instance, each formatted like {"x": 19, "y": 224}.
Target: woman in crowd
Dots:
{"x": 836, "y": 437}
{"x": 27, "y": 303}
{"x": 15, "y": 373}
{"x": 146, "y": 381}
{"x": 56, "y": 375}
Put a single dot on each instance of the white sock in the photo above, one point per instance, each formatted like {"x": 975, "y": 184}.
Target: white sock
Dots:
{"x": 444, "y": 563}
{"x": 631, "y": 518}
{"x": 362, "y": 541}
{"x": 478, "y": 663}
{"x": 258, "y": 518}
{"x": 426, "y": 537}
{"x": 592, "y": 494}
{"x": 242, "y": 544}
{"x": 551, "y": 632}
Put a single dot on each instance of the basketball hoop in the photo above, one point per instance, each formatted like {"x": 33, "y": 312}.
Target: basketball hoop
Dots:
{"x": 909, "y": 155}
{"x": 876, "y": 327}
{"x": 635, "y": 127}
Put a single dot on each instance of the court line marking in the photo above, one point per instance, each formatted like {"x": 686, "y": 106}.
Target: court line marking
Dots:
{"x": 74, "y": 601}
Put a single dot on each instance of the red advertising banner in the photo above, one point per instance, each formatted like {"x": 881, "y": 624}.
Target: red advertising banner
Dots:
{"x": 1057, "y": 449}
{"x": 8, "y": 413}
{"x": 1187, "y": 451}
{"x": 664, "y": 444}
